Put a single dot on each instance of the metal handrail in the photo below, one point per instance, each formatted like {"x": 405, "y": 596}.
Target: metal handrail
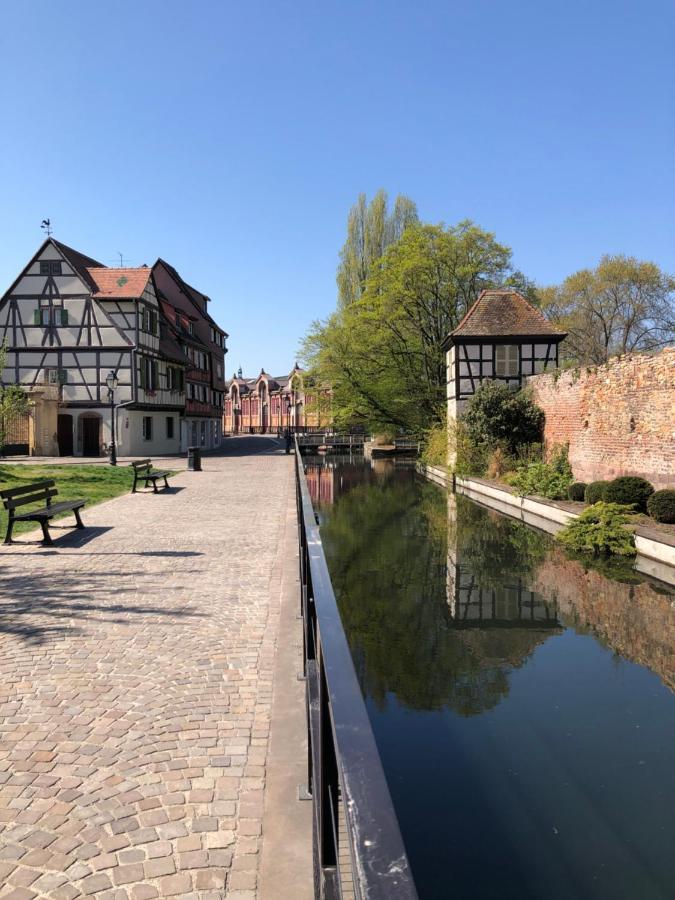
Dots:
{"x": 344, "y": 766}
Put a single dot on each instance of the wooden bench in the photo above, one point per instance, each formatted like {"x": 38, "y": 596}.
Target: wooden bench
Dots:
{"x": 39, "y": 492}
{"x": 143, "y": 471}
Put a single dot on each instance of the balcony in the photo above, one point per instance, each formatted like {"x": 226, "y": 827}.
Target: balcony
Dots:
{"x": 199, "y": 408}
{"x": 203, "y": 376}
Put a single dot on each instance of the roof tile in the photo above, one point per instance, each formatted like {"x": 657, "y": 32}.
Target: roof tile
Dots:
{"x": 504, "y": 313}
{"x": 119, "y": 283}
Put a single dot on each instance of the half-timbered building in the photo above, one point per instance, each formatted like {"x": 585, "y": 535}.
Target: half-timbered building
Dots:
{"x": 502, "y": 338}
{"x": 68, "y": 321}
{"x": 204, "y": 344}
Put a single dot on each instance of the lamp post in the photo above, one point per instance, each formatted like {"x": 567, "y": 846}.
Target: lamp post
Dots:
{"x": 288, "y": 413}
{"x": 112, "y": 381}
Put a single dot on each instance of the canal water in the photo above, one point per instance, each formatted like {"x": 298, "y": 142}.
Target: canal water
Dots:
{"x": 522, "y": 703}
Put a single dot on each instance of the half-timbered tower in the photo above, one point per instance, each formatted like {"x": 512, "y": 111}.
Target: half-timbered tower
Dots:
{"x": 68, "y": 321}
{"x": 502, "y": 338}
{"x": 204, "y": 344}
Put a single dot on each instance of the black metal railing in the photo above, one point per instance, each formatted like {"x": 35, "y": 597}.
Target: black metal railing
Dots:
{"x": 351, "y": 801}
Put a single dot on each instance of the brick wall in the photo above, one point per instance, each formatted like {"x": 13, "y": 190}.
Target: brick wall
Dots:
{"x": 619, "y": 419}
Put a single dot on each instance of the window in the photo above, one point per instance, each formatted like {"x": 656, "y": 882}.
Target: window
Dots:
{"x": 147, "y": 428}
{"x": 46, "y": 315}
{"x": 148, "y": 373}
{"x": 56, "y": 376}
{"x": 174, "y": 378}
{"x": 149, "y": 321}
{"x": 169, "y": 427}
{"x": 191, "y": 328}
{"x": 507, "y": 361}
{"x": 50, "y": 267}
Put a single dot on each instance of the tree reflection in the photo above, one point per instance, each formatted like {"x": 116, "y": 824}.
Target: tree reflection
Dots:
{"x": 387, "y": 546}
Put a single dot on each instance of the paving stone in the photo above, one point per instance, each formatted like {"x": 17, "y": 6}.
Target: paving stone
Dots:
{"x": 136, "y": 696}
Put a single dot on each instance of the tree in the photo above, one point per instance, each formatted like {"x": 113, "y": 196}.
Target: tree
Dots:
{"x": 13, "y": 400}
{"x": 371, "y": 228}
{"x": 498, "y": 417}
{"x": 382, "y": 353}
{"x": 622, "y": 306}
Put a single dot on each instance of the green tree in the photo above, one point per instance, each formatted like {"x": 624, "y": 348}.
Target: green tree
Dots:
{"x": 498, "y": 417}
{"x": 371, "y": 228}
{"x": 622, "y": 306}
{"x": 383, "y": 353}
{"x": 13, "y": 400}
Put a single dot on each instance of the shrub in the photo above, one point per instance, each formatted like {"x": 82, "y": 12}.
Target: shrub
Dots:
{"x": 661, "y": 505}
{"x": 595, "y": 491}
{"x": 499, "y": 463}
{"x": 470, "y": 458}
{"x": 543, "y": 479}
{"x": 435, "y": 452}
{"x": 630, "y": 490}
{"x": 577, "y": 491}
{"x": 496, "y": 416}
{"x": 600, "y": 530}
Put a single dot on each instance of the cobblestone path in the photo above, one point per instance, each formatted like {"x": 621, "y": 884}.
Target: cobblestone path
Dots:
{"x": 135, "y": 690}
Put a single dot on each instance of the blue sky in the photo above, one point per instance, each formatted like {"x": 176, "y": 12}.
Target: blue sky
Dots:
{"x": 232, "y": 138}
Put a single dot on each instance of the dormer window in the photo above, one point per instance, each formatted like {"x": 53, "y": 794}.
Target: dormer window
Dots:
{"x": 507, "y": 361}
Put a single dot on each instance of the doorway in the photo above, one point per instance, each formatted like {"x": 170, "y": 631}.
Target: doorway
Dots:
{"x": 91, "y": 443}
{"x": 64, "y": 434}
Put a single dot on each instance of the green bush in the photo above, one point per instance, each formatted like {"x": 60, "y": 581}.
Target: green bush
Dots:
{"x": 496, "y": 416}
{"x": 577, "y": 491}
{"x": 630, "y": 490}
{"x": 541, "y": 478}
{"x": 435, "y": 451}
{"x": 471, "y": 459}
{"x": 595, "y": 491}
{"x": 600, "y": 531}
{"x": 661, "y": 505}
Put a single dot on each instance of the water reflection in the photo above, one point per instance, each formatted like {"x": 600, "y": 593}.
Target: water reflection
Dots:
{"x": 455, "y": 566}
{"x": 522, "y": 703}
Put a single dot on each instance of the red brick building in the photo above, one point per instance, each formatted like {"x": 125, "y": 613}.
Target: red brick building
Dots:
{"x": 273, "y": 404}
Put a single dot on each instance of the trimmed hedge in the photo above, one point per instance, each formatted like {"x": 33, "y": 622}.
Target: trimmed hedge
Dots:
{"x": 661, "y": 505}
{"x": 577, "y": 491}
{"x": 595, "y": 491}
{"x": 629, "y": 490}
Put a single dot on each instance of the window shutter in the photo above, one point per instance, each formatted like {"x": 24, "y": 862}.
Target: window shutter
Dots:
{"x": 63, "y": 376}
{"x": 155, "y": 374}
{"x": 153, "y": 322}
{"x": 37, "y": 318}
{"x": 64, "y": 316}
{"x": 142, "y": 379}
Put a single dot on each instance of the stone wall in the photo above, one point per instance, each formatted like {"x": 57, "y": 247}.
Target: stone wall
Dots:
{"x": 619, "y": 418}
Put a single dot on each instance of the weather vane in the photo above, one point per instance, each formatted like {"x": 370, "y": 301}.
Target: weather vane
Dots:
{"x": 46, "y": 226}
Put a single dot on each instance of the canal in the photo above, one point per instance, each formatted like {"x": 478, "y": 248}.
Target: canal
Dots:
{"x": 522, "y": 703}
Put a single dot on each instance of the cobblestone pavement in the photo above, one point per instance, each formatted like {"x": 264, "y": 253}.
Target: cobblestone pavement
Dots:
{"x": 135, "y": 689}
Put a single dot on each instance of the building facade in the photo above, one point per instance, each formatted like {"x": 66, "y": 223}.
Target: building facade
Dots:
{"x": 275, "y": 404}
{"x": 204, "y": 345}
{"x": 501, "y": 338}
{"x": 69, "y": 321}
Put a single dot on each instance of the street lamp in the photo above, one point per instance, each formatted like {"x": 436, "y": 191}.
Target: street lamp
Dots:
{"x": 112, "y": 381}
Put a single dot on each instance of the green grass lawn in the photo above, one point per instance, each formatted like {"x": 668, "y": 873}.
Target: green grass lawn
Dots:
{"x": 93, "y": 483}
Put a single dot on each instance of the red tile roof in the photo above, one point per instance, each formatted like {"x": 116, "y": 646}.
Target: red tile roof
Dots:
{"x": 501, "y": 314}
{"x": 120, "y": 283}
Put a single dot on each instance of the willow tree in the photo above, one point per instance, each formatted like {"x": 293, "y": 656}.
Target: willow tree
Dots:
{"x": 371, "y": 228}
{"x": 382, "y": 353}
